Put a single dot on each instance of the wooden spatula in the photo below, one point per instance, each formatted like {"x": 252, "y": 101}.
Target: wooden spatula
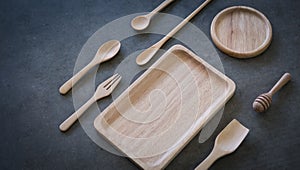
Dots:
{"x": 226, "y": 142}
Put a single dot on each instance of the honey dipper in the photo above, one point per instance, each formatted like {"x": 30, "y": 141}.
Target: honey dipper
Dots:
{"x": 263, "y": 101}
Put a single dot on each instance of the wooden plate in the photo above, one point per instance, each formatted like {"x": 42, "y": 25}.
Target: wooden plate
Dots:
{"x": 241, "y": 32}
{"x": 157, "y": 115}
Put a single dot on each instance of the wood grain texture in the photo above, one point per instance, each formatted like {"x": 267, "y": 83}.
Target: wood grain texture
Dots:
{"x": 241, "y": 32}
{"x": 156, "y": 116}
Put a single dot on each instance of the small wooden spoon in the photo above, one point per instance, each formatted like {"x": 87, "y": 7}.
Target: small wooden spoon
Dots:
{"x": 105, "y": 52}
{"x": 226, "y": 142}
{"x": 142, "y": 22}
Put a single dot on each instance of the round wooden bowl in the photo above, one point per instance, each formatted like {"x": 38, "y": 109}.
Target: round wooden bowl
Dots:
{"x": 241, "y": 32}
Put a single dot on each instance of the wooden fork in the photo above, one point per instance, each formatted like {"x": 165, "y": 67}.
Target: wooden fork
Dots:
{"x": 103, "y": 90}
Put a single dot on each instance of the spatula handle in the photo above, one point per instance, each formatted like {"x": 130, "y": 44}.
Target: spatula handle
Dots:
{"x": 70, "y": 121}
{"x": 211, "y": 158}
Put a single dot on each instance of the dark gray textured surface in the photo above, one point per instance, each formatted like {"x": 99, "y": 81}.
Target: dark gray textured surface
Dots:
{"x": 39, "y": 42}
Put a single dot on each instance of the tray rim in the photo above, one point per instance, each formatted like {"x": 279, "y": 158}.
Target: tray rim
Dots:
{"x": 235, "y": 53}
{"x": 229, "y": 93}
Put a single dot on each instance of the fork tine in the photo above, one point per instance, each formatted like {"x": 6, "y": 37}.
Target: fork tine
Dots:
{"x": 114, "y": 83}
{"x": 106, "y": 82}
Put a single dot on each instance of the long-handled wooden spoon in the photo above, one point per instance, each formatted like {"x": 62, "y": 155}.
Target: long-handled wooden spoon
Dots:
{"x": 146, "y": 55}
{"x": 142, "y": 22}
{"x": 226, "y": 142}
{"x": 104, "y": 53}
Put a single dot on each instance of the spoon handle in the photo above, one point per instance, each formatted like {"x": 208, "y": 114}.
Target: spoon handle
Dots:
{"x": 283, "y": 80}
{"x": 160, "y": 7}
{"x": 72, "y": 81}
{"x": 71, "y": 119}
{"x": 187, "y": 19}
{"x": 183, "y": 23}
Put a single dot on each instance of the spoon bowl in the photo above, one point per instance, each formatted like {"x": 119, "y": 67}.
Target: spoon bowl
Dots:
{"x": 108, "y": 50}
{"x": 140, "y": 22}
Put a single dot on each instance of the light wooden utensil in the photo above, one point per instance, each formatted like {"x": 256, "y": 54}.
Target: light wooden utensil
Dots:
{"x": 103, "y": 90}
{"x": 105, "y": 52}
{"x": 146, "y": 55}
{"x": 226, "y": 142}
{"x": 159, "y": 113}
{"x": 263, "y": 101}
{"x": 142, "y": 22}
{"x": 241, "y": 32}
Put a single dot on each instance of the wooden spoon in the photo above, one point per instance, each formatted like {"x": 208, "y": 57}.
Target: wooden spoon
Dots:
{"x": 142, "y": 22}
{"x": 226, "y": 142}
{"x": 146, "y": 55}
{"x": 105, "y": 52}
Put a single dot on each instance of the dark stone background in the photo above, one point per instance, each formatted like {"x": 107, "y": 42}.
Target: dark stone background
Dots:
{"x": 40, "y": 41}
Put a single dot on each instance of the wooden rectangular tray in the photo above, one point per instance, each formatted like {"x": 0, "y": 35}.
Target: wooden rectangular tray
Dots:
{"x": 157, "y": 115}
